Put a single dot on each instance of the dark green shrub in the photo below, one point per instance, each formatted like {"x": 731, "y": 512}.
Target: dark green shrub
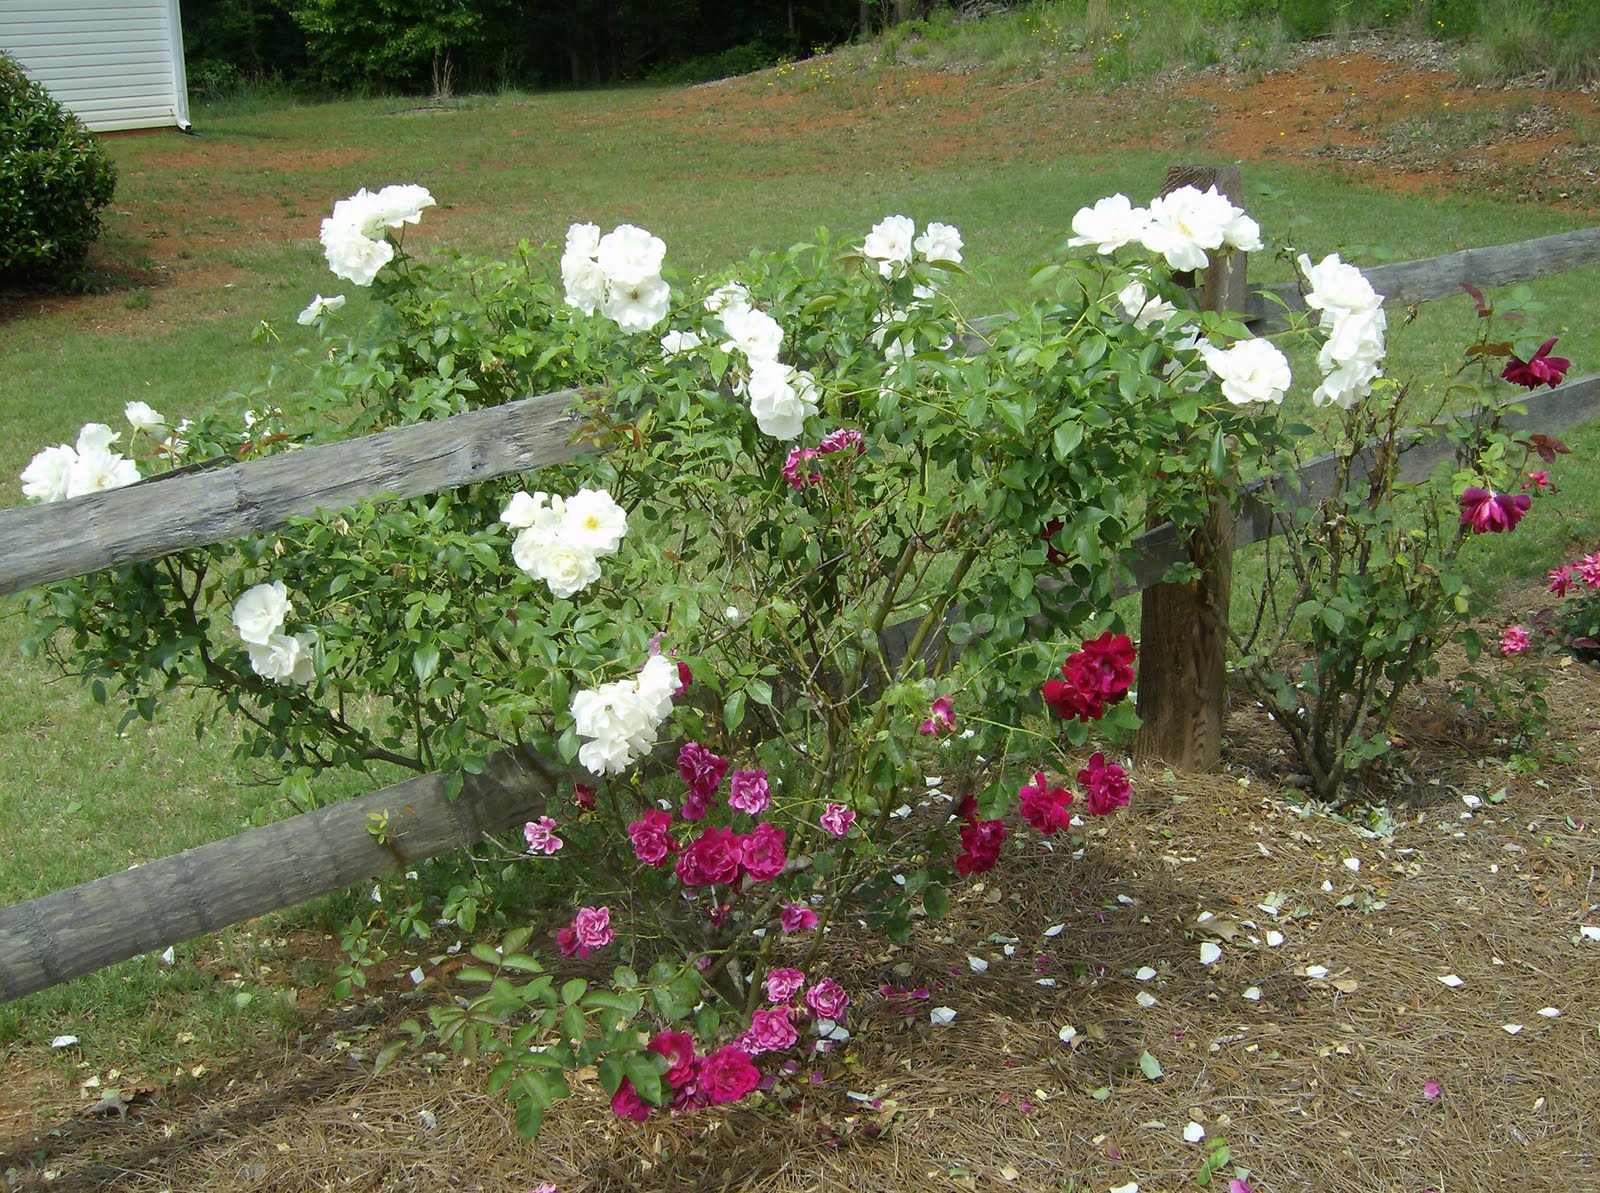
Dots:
{"x": 54, "y": 180}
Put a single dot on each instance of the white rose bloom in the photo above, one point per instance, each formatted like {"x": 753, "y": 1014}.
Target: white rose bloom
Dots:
{"x": 755, "y": 333}
{"x": 401, "y": 204}
{"x": 96, "y": 437}
{"x": 259, "y": 613}
{"x": 97, "y": 470}
{"x": 305, "y": 667}
{"x": 566, "y": 567}
{"x": 1336, "y": 286}
{"x": 585, "y": 283}
{"x": 175, "y": 445}
{"x": 583, "y": 240}
{"x": 524, "y": 509}
{"x": 658, "y": 683}
{"x": 319, "y": 307}
{"x": 621, "y": 725}
{"x": 360, "y": 215}
{"x": 629, "y": 255}
{"x": 45, "y": 477}
{"x": 637, "y": 305}
{"x": 677, "y": 343}
{"x": 730, "y": 296}
{"x": 1141, "y": 308}
{"x": 1187, "y": 223}
{"x": 142, "y": 418}
{"x": 354, "y": 257}
{"x": 1111, "y": 223}
{"x": 781, "y": 398}
{"x": 1242, "y": 233}
{"x": 1355, "y": 334}
{"x": 277, "y": 659}
{"x": 1346, "y": 383}
{"x": 889, "y": 242}
{"x": 1250, "y": 371}
{"x": 940, "y": 242}
{"x": 594, "y": 522}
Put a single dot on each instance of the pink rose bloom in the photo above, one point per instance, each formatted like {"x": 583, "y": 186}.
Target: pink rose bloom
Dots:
{"x": 796, "y": 917}
{"x": 651, "y": 840}
{"x": 761, "y": 852}
{"x": 678, "y": 1048}
{"x": 727, "y": 1075}
{"x": 593, "y": 927}
{"x": 702, "y": 771}
{"x": 1543, "y": 369}
{"x": 1105, "y": 785}
{"x": 783, "y": 984}
{"x": 1560, "y": 580}
{"x": 1045, "y": 807}
{"x": 828, "y": 999}
{"x": 771, "y": 1030}
{"x": 795, "y": 471}
{"x": 541, "y": 836}
{"x": 711, "y": 857}
{"x": 748, "y": 791}
{"x": 544, "y": 1187}
{"x": 1485, "y": 512}
{"x": 1514, "y": 640}
{"x": 1237, "y": 1185}
{"x": 626, "y": 1103}
{"x": 583, "y": 795}
{"x": 1588, "y": 569}
{"x": 837, "y": 441}
{"x": 567, "y": 941}
{"x": 836, "y": 819}
{"x": 1538, "y": 481}
{"x": 685, "y": 679}
{"x": 941, "y": 718}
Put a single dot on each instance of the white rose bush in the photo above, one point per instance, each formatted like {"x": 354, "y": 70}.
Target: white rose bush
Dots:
{"x": 785, "y": 641}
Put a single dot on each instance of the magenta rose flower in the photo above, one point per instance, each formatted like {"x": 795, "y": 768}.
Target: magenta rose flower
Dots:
{"x": 583, "y": 795}
{"x": 1588, "y": 569}
{"x": 1543, "y": 369}
{"x": 1045, "y": 807}
{"x": 626, "y": 1103}
{"x": 678, "y": 1048}
{"x": 1560, "y": 580}
{"x": 837, "y": 441}
{"x": 711, "y": 857}
{"x": 796, "y": 917}
{"x": 941, "y": 718}
{"x": 1097, "y": 675}
{"x": 762, "y": 853}
{"x": 592, "y": 926}
{"x": 541, "y": 836}
{"x": 1105, "y": 785}
{"x": 702, "y": 771}
{"x": 836, "y": 819}
{"x": 771, "y": 1030}
{"x": 748, "y": 792}
{"x": 727, "y": 1075}
{"x": 1486, "y": 512}
{"x": 795, "y": 470}
{"x": 652, "y": 842}
{"x": 1514, "y": 640}
{"x": 783, "y": 984}
{"x": 980, "y": 846}
{"x": 828, "y": 999}
{"x": 567, "y": 941}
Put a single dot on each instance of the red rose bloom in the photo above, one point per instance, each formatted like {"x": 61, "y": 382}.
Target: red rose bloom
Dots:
{"x": 1543, "y": 369}
{"x": 1486, "y": 512}
{"x": 727, "y": 1075}
{"x": 711, "y": 857}
{"x": 626, "y": 1103}
{"x": 1105, "y": 785}
{"x": 980, "y": 846}
{"x": 678, "y": 1048}
{"x": 651, "y": 840}
{"x": 761, "y": 852}
{"x": 1045, "y": 807}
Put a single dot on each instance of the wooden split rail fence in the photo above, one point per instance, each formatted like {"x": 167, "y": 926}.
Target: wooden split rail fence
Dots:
{"x": 73, "y": 932}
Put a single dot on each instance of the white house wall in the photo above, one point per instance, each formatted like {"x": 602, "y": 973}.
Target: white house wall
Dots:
{"x": 116, "y": 63}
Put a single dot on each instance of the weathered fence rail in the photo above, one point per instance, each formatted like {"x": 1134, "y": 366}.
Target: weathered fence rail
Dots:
{"x": 73, "y": 932}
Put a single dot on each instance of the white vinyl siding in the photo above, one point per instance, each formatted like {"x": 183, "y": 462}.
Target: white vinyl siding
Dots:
{"x": 116, "y": 63}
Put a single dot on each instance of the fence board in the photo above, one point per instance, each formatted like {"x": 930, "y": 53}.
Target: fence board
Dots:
{"x": 41, "y": 543}
{"x": 1407, "y": 282}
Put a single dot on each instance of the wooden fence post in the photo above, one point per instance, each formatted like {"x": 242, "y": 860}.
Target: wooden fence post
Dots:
{"x": 1183, "y": 641}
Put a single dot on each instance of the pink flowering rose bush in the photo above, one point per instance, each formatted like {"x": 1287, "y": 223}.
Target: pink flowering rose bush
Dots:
{"x": 823, "y": 632}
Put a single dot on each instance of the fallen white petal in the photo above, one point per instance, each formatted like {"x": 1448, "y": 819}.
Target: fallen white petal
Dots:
{"x": 1130, "y": 1187}
{"x": 1316, "y": 971}
{"x": 1145, "y": 999}
{"x": 1068, "y": 1034}
{"x": 1511, "y": 1029}
{"x": 1054, "y": 930}
{"x": 901, "y": 812}
{"x": 1326, "y": 885}
{"x": 1253, "y": 994}
{"x": 1044, "y": 982}
{"x": 417, "y": 975}
{"x": 942, "y": 1015}
{"x": 1452, "y": 980}
{"x": 1352, "y": 863}
{"x": 1274, "y": 938}
{"x": 1210, "y": 953}
{"x": 1145, "y": 973}
{"x": 979, "y": 965}
{"x": 1589, "y": 933}
{"x": 1550, "y": 1012}
{"x": 1124, "y": 900}
{"x": 169, "y": 955}
{"x": 1204, "y": 916}
{"x": 63, "y": 1041}
{"x": 1193, "y": 1133}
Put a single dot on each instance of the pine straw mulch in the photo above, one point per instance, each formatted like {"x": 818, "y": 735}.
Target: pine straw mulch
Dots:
{"x": 1317, "y": 1085}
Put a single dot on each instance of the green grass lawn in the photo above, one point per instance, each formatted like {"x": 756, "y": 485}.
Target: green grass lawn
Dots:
{"x": 219, "y": 234}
